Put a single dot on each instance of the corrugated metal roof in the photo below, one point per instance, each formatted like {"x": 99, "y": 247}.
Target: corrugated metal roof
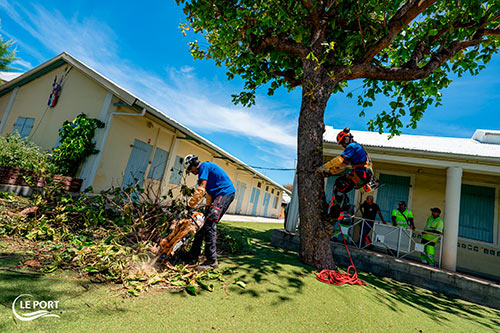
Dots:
{"x": 421, "y": 143}
{"x": 129, "y": 98}
{"x": 9, "y": 76}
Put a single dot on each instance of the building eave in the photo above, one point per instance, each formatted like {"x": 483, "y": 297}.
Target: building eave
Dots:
{"x": 127, "y": 97}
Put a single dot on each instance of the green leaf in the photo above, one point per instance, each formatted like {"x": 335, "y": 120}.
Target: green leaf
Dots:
{"x": 191, "y": 290}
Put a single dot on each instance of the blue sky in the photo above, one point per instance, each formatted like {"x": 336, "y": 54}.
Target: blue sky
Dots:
{"x": 141, "y": 48}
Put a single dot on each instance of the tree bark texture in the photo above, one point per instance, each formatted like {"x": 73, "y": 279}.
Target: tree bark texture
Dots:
{"x": 315, "y": 231}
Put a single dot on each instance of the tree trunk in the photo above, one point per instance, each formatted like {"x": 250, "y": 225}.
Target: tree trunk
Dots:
{"x": 315, "y": 231}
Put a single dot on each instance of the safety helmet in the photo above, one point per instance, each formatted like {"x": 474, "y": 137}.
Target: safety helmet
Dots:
{"x": 343, "y": 134}
{"x": 190, "y": 160}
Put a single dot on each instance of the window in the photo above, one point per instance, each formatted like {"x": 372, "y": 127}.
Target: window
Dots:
{"x": 477, "y": 213}
{"x": 267, "y": 188}
{"x": 158, "y": 165}
{"x": 259, "y": 185}
{"x": 177, "y": 170}
{"x": 23, "y": 126}
{"x": 394, "y": 189}
{"x": 272, "y": 191}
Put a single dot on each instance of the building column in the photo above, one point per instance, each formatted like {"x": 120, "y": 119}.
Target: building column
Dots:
{"x": 170, "y": 164}
{"x": 293, "y": 211}
{"x": 89, "y": 168}
{"x": 451, "y": 217}
{"x": 8, "y": 109}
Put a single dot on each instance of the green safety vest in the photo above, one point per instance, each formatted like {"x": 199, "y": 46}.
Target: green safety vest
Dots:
{"x": 434, "y": 225}
{"x": 401, "y": 221}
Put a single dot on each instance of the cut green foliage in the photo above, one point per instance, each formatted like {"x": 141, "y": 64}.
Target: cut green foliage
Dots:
{"x": 111, "y": 237}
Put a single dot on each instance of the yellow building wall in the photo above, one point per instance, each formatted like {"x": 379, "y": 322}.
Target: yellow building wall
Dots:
{"x": 118, "y": 146}
{"x": 4, "y": 100}
{"x": 79, "y": 95}
{"x": 246, "y": 179}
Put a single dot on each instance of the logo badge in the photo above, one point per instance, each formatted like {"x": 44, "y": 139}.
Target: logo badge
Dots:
{"x": 41, "y": 308}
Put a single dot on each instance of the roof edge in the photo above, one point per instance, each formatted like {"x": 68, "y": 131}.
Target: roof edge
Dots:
{"x": 127, "y": 97}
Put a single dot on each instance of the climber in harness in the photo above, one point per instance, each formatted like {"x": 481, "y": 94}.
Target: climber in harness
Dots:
{"x": 360, "y": 175}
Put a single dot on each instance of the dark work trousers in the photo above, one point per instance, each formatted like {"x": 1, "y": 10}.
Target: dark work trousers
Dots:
{"x": 209, "y": 230}
{"x": 345, "y": 183}
{"x": 367, "y": 227}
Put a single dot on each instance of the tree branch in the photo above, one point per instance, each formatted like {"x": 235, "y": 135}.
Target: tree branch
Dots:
{"x": 289, "y": 76}
{"x": 281, "y": 43}
{"x": 491, "y": 32}
{"x": 407, "y": 13}
{"x": 376, "y": 72}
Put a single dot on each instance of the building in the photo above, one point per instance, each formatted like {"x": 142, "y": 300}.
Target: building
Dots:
{"x": 459, "y": 175}
{"x": 139, "y": 142}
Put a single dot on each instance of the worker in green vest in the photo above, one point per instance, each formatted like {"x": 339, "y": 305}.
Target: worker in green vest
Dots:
{"x": 402, "y": 217}
{"x": 430, "y": 236}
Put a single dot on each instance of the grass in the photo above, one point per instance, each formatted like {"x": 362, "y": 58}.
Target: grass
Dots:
{"x": 279, "y": 294}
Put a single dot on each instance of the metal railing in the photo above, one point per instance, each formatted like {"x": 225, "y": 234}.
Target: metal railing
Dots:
{"x": 398, "y": 241}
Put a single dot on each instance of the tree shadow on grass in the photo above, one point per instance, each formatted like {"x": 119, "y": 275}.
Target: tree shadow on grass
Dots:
{"x": 53, "y": 287}
{"x": 266, "y": 264}
{"x": 434, "y": 305}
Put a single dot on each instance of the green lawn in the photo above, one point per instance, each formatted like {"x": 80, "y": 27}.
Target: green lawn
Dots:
{"x": 281, "y": 295}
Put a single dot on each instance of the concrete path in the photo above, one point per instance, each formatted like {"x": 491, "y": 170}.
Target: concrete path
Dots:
{"x": 246, "y": 218}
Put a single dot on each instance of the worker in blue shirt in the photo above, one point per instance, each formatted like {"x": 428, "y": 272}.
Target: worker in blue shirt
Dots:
{"x": 213, "y": 182}
{"x": 361, "y": 168}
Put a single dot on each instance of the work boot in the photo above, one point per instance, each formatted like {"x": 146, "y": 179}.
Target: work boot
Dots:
{"x": 208, "y": 264}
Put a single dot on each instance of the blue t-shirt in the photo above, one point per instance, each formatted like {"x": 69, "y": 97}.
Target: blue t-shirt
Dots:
{"x": 218, "y": 182}
{"x": 354, "y": 153}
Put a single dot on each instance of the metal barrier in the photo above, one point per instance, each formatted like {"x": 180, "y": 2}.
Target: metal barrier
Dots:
{"x": 398, "y": 241}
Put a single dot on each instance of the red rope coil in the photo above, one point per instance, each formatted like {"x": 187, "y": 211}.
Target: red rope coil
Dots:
{"x": 337, "y": 278}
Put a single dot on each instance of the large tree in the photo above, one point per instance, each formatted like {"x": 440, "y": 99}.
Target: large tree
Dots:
{"x": 405, "y": 50}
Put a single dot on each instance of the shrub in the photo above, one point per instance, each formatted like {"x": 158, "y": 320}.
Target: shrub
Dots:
{"x": 20, "y": 153}
{"x": 76, "y": 144}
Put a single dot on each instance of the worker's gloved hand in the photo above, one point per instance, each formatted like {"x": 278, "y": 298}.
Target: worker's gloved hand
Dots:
{"x": 322, "y": 171}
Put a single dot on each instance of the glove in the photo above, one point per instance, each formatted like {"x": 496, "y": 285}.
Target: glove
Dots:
{"x": 197, "y": 196}
{"x": 332, "y": 167}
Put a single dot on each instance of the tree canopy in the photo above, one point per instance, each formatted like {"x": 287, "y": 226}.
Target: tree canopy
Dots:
{"x": 405, "y": 50}
{"x": 7, "y": 55}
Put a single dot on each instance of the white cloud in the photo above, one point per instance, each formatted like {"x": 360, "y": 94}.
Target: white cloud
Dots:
{"x": 22, "y": 63}
{"x": 180, "y": 95}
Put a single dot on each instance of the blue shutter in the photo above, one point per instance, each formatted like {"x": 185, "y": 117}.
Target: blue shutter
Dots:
{"x": 477, "y": 211}
{"x": 137, "y": 164}
{"x": 158, "y": 165}
{"x": 393, "y": 190}
{"x": 177, "y": 171}
{"x": 23, "y": 126}
{"x": 28, "y": 125}
{"x": 241, "y": 196}
{"x": 256, "y": 201}
{"x": 18, "y": 126}
{"x": 253, "y": 195}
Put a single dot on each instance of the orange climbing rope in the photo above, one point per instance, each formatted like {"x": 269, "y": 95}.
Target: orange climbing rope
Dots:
{"x": 337, "y": 278}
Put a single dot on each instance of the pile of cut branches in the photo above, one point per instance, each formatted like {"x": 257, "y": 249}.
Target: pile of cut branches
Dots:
{"x": 111, "y": 237}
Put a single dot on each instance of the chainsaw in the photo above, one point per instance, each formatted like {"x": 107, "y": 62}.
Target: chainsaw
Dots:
{"x": 180, "y": 231}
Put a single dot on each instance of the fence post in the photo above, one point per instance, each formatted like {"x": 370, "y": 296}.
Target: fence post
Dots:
{"x": 399, "y": 242}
